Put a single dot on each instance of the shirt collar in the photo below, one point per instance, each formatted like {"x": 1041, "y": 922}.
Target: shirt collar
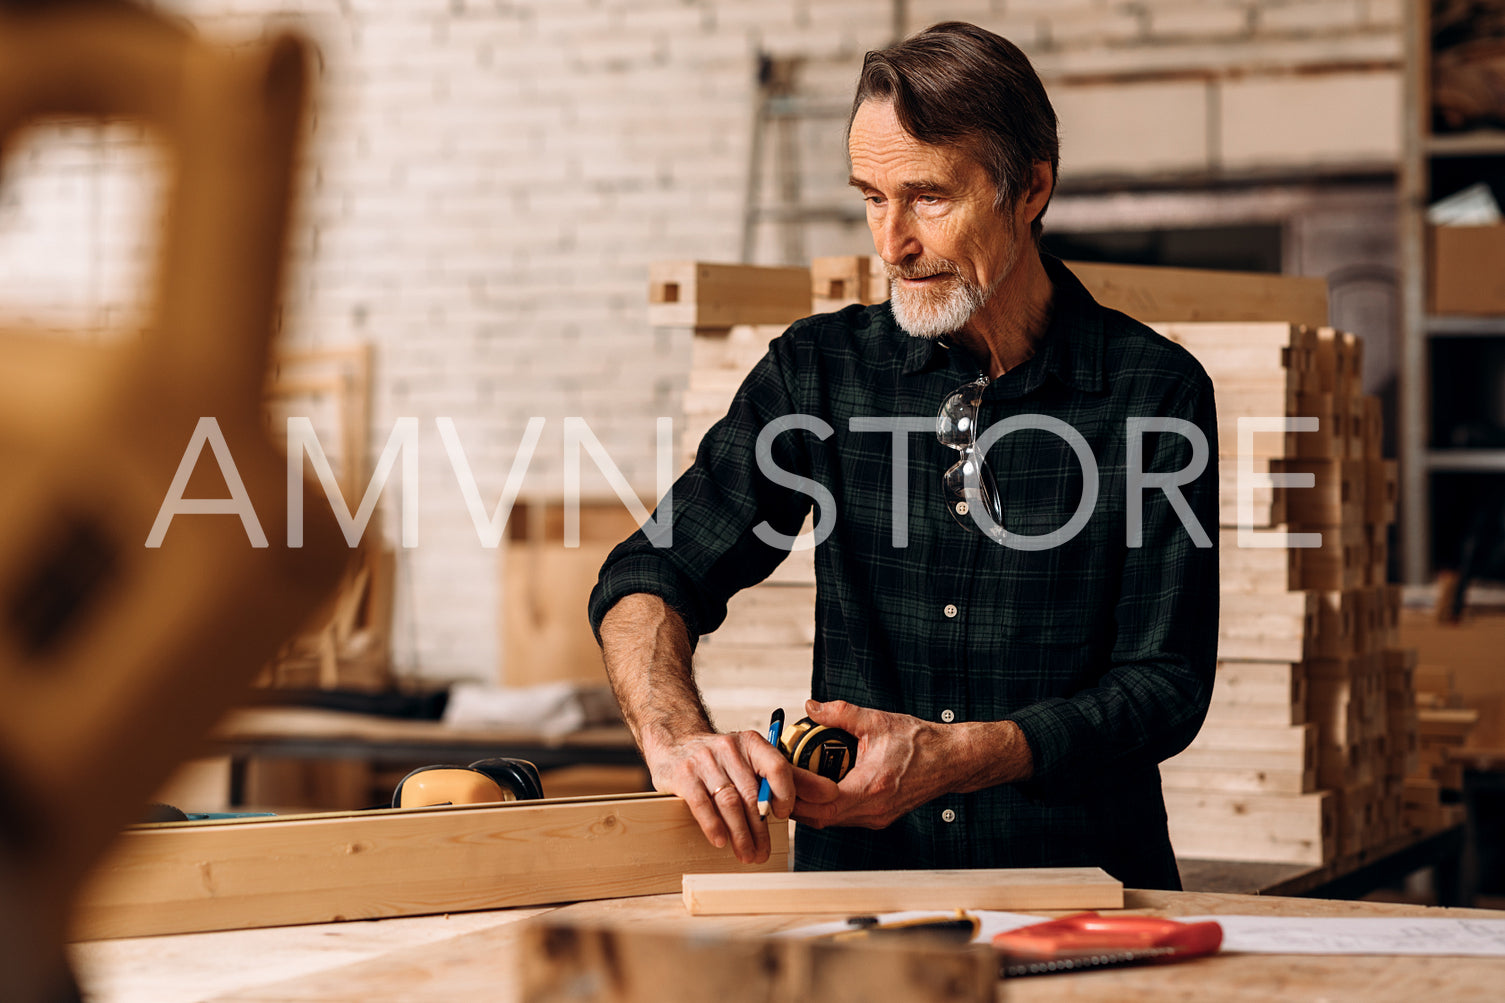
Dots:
{"x": 1072, "y": 349}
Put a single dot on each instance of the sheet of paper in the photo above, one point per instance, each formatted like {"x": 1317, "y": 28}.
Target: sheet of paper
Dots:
{"x": 1443, "y": 937}
{"x": 1483, "y": 938}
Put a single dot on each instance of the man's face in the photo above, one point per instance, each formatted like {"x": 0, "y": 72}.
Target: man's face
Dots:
{"x": 931, "y": 211}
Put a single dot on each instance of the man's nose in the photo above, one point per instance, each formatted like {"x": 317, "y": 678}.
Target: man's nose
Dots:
{"x": 894, "y": 237}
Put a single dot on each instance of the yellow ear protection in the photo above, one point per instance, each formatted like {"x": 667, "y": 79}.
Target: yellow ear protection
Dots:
{"x": 829, "y": 752}
{"x": 486, "y": 781}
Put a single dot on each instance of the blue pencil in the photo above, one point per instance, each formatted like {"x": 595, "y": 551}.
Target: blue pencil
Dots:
{"x": 775, "y": 727}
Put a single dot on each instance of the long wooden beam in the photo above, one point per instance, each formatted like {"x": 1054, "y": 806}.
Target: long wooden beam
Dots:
{"x": 186, "y": 877}
{"x": 853, "y": 892}
{"x": 1154, "y": 294}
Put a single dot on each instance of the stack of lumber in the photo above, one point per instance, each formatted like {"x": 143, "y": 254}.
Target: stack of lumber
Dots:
{"x": 1434, "y": 785}
{"x": 1312, "y": 722}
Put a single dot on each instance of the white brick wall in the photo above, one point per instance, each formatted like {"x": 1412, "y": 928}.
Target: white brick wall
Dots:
{"x": 489, "y": 181}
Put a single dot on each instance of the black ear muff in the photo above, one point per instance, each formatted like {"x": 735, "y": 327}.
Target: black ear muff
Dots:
{"x": 829, "y": 752}
{"x": 439, "y": 785}
{"x": 517, "y": 775}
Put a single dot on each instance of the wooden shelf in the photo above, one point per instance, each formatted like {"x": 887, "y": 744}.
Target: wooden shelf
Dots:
{"x": 1450, "y": 326}
{"x": 1459, "y": 157}
{"x": 1479, "y": 143}
{"x": 1466, "y": 460}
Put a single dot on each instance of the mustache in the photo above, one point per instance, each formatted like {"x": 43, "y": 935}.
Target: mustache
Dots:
{"x": 922, "y": 269}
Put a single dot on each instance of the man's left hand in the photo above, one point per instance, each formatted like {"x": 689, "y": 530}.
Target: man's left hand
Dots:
{"x": 902, "y": 762}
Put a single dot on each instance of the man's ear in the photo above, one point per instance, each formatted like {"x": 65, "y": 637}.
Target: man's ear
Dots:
{"x": 1042, "y": 184}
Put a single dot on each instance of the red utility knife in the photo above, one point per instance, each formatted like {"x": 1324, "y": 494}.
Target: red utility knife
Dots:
{"x": 1088, "y": 940}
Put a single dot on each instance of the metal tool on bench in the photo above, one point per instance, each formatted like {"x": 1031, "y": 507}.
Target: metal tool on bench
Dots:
{"x": 486, "y": 781}
{"x": 827, "y": 751}
{"x": 1089, "y": 940}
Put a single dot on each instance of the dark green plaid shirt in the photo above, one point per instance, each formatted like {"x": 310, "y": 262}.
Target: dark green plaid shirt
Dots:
{"x": 1103, "y": 654}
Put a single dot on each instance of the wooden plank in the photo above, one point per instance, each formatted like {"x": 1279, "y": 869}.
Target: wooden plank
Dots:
{"x": 1340, "y": 563}
{"x": 1337, "y": 497}
{"x": 837, "y": 282}
{"x": 545, "y": 637}
{"x": 1261, "y": 682}
{"x": 1281, "y": 828}
{"x": 701, "y": 294}
{"x": 1340, "y": 361}
{"x": 1269, "y": 504}
{"x": 1257, "y": 569}
{"x": 1278, "y": 626}
{"x": 1330, "y": 440}
{"x": 1153, "y": 294}
{"x": 737, "y": 348}
{"x": 1278, "y": 699}
{"x": 655, "y": 965}
{"x": 856, "y": 892}
{"x": 1381, "y": 490}
{"x": 1265, "y": 760}
{"x": 1374, "y": 428}
{"x": 1295, "y": 738}
{"x": 270, "y": 872}
{"x": 1238, "y": 349}
{"x": 778, "y": 615}
{"x": 746, "y": 708}
{"x": 1174, "y": 776}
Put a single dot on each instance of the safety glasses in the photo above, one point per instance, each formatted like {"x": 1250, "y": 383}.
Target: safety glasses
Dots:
{"x": 968, "y": 481}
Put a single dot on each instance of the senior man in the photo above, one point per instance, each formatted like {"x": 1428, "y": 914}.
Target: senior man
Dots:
{"x": 1016, "y": 623}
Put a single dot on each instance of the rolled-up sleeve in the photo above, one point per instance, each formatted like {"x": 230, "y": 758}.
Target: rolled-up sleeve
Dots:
{"x": 712, "y": 551}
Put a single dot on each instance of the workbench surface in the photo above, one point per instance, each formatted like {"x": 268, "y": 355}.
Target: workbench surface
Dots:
{"x": 458, "y": 958}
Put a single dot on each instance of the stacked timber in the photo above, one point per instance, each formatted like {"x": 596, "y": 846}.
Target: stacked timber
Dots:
{"x": 1433, "y": 789}
{"x": 1312, "y": 724}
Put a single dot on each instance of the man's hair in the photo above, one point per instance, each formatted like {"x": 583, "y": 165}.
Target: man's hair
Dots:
{"x": 960, "y": 85}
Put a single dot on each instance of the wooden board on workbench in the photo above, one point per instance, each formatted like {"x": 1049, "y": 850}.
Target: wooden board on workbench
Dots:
{"x": 271, "y": 872}
{"x": 855, "y": 892}
{"x": 647, "y": 964}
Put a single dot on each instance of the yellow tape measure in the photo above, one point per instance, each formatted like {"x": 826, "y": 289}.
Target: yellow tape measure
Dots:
{"x": 829, "y": 752}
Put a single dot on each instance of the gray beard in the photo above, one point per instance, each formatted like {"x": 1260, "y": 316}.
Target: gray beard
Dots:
{"x": 934, "y": 314}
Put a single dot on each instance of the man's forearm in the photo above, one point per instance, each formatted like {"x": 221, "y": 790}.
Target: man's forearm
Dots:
{"x": 989, "y": 753}
{"x": 647, "y": 652}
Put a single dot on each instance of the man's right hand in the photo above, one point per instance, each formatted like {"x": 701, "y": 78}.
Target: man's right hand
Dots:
{"x": 718, "y": 776}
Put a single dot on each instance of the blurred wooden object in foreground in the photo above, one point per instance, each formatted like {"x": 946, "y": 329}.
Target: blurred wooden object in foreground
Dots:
{"x": 134, "y": 609}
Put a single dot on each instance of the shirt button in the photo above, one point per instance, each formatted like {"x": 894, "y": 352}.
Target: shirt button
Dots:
{"x": 950, "y": 610}
{"x": 962, "y": 508}
{"x": 948, "y": 815}
{"x": 948, "y": 715}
